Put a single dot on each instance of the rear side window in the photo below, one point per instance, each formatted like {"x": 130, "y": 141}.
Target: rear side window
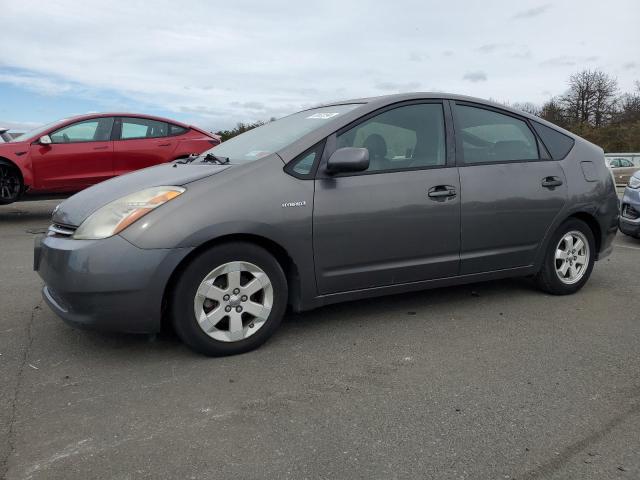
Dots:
{"x": 177, "y": 129}
{"x": 489, "y": 136}
{"x": 143, "y": 128}
{"x": 557, "y": 143}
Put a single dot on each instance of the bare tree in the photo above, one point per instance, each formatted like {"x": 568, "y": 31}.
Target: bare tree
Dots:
{"x": 553, "y": 111}
{"x": 590, "y": 98}
{"x": 527, "y": 107}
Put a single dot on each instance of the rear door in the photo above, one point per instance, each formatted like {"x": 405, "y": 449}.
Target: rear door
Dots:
{"x": 398, "y": 221}
{"x": 80, "y": 155}
{"x": 141, "y": 143}
{"x": 511, "y": 190}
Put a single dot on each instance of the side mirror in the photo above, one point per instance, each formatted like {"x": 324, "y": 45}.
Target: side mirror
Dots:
{"x": 348, "y": 159}
{"x": 45, "y": 140}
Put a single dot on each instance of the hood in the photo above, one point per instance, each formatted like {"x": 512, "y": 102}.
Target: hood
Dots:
{"x": 77, "y": 208}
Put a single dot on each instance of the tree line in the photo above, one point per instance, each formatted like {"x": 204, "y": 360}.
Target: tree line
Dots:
{"x": 592, "y": 107}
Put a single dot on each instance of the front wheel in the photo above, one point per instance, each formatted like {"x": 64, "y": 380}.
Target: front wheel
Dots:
{"x": 10, "y": 184}
{"x": 569, "y": 259}
{"x": 229, "y": 299}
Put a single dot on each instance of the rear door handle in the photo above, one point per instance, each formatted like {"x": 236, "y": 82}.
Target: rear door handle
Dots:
{"x": 100, "y": 148}
{"x": 164, "y": 144}
{"x": 441, "y": 192}
{"x": 550, "y": 182}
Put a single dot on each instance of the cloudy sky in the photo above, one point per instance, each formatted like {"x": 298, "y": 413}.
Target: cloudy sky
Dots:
{"x": 214, "y": 64}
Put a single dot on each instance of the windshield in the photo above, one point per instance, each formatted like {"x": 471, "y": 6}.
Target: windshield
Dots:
{"x": 35, "y": 132}
{"x": 274, "y": 136}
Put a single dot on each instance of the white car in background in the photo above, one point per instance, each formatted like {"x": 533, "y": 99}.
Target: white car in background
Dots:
{"x": 622, "y": 166}
{"x": 4, "y": 136}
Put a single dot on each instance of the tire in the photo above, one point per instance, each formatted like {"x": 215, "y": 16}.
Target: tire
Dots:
{"x": 230, "y": 305}
{"x": 550, "y": 277}
{"x": 11, "y": 186}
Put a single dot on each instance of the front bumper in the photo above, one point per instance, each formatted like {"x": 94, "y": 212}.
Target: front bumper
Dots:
{"x": 630, "y": 226}
{"x": 107, "y": 284}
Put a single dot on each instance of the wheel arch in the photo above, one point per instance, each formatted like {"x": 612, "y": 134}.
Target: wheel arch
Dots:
{"x": 281, "y": 255}
{"x": 592, "y": 223}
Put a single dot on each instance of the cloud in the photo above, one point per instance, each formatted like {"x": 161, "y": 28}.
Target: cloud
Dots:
{"x": 568, "y": 61}
{"x": 630, "y": 65}
{"x": 418, "y": 57}
{"x": 215, "y": 65}
{"x": 397, "y": 87}
{"x": 490, "y": 47}
{"x": 532, "y": 12}
{"x": 474, "y": 77}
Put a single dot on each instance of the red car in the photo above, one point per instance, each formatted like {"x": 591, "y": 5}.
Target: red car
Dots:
{"x": 75, "y": 153}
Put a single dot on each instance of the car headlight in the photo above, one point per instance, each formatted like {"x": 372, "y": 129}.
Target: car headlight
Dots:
{"x": 634, "y": 182}
{"x": 114, "y": 217}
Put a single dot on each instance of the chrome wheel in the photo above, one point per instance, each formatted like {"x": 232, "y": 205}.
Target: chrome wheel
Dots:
{"x": 9, "y": 184}
{"x": 233, "y": 301}
{"x": 572, "y": 257}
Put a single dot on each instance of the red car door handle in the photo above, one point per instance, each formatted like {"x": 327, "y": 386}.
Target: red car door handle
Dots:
{"x": 164, "y": 144}
{"x": 101, "y": 148}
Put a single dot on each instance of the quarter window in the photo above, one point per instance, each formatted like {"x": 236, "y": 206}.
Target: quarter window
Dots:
{"x": 176, "y": 129}
{"x": 94, "y": 130}
{"x": 403, "y": 138}
{"x": 489, "y": 136}
{"x": 142, "y": 128}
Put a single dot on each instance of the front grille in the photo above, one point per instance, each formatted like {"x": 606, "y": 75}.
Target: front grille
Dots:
{"x": 629, "y": 212}
{"x": 60, "y": 230}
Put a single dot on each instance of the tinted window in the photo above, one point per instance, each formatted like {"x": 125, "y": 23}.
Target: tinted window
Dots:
{"x": 176, "y": 129}
{"x": 557, "y": 143}
{"x": 94, "y": 130}
{"x": 405, "y": 137}
{"x": 489, "y": 136}
{"x": 143, "y": 128}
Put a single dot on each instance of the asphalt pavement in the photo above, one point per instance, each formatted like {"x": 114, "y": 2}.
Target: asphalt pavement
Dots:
{"x": 489, "y": 381}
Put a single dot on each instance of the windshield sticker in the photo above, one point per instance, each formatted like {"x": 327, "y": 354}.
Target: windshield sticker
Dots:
{"x": 323, "y": 115}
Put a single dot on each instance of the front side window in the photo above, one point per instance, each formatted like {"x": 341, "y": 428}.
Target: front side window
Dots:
{"x": 94, "y": 130}
{"x": 488, "y": 136}
{"x": 142, "y": 128}
{"x": 403, "y": 138}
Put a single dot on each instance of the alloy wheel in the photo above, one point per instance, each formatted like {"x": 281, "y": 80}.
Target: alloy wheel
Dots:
{"x": 9, "y": 184}
{"x": 572, "y": 257}
{"x": 233, "y": 301}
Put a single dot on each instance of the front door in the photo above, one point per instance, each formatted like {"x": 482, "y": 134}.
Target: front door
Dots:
{"x": 511, "y": 193}
{"x": 80, "y": 155}
{"x": 397, "y": 222}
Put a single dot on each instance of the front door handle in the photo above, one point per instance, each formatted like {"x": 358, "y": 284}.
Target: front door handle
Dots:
{"x": 441, "y": 192}
{"x": 551, "y": 182}
{"x": 164, "y": 144}
{"x": 100, "y": 148}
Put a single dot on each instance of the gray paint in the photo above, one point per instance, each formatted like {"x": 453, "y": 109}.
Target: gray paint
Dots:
{"x": 349, "y": 236}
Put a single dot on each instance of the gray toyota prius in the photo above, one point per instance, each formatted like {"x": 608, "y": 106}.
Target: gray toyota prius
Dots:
{"x": 345, "y": 201}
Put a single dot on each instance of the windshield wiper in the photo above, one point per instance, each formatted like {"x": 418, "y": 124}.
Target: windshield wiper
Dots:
{"x": 211, "y": 158}
{"x": 208, "y": 158}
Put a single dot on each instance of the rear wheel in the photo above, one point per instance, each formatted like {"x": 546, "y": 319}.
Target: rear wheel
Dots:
{"x": 229, "y": 300}
{"x": 10, "y": 184}
{"x": 569, "y": 259}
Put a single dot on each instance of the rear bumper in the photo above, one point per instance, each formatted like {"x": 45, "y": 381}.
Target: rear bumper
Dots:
{"x": 108, "y": 284}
